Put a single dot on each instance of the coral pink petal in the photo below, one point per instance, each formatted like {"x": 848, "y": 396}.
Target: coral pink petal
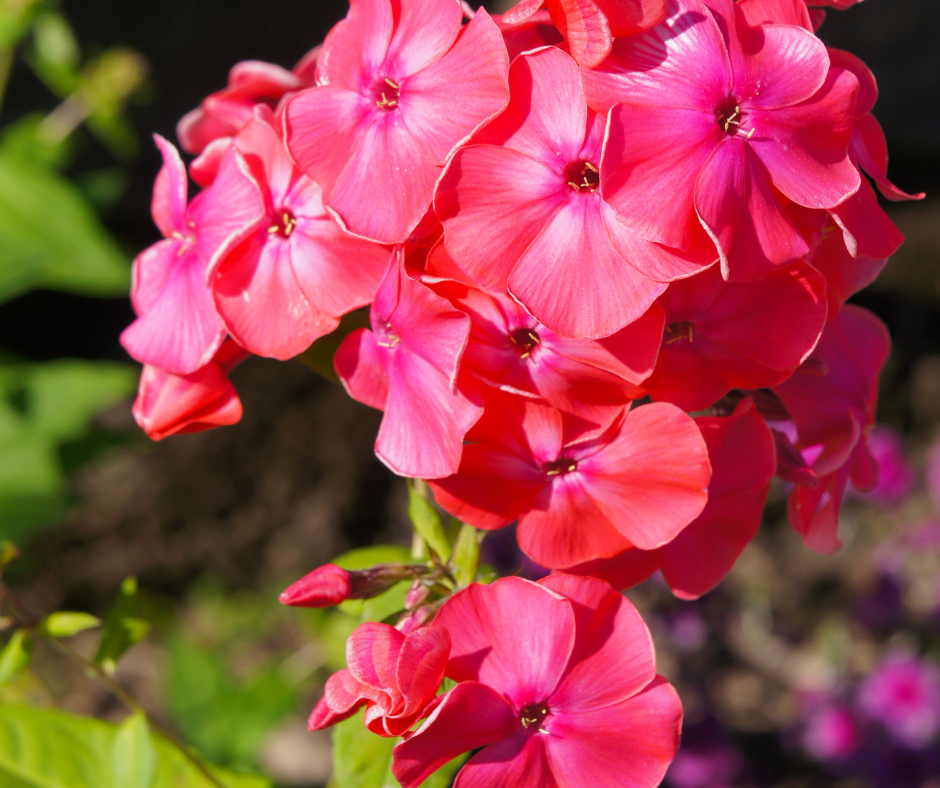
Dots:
{"x": 652, "y": 157}
{"x": 471, "y": 715}
{"x": 632, "y": 17}
{"x": 776, "y": 12}
{"x": 610, "y": 293}
{"x": 519, "y": 762}
{"x": 626, "y": 570}
{"x": 627, "y": 745}
{"x": 343, "y": 692}
{"x": 845, "y": 275}
{"x": 181, "y": 331}
{"x": 737, "y": 204}
{"x": 869, "y": 145}
{"x": 420, "y": 668}
{"x": 804, "y": 147}
{"x": 424, "y": 31}
{"x": 585, "y": 28}
{"x": 205, "y": 166}
{"x": 651, "y": 478}
{"x": 363, "y": 368}
{"x": 512, "y": 195}
{"x": 260, "y": 300}
{"x": 476, "y": 67}
{"x": 522, "y": 10}
{"x": 545, "y": 533}
{"x": 358, "y": 45}
{"x": 613, "y": 655}
{"x": 680, "y": 63}
{"x": 169, "y": 191}
{"x": 546, "y": 116}
{"x": 372, "y": 652}
{"x": 425, "y": 422}
{"x": 868, "y": 232}
{"x": 514, "y": 636}
{"x": 790, "y": 67}
{"x": 151, "y": 271}
{"x": 324, "y": 129}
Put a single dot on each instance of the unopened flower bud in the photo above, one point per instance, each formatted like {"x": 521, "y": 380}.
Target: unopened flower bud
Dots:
{"x": 417, "y": 594}
{"x": 415, "y": 619}
{"x": 323, "y": 587}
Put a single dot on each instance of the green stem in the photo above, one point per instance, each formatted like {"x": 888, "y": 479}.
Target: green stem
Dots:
{"x": 30, "y": 621}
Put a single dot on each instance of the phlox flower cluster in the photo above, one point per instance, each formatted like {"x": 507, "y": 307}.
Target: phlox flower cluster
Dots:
{"x": 605, "y": 247}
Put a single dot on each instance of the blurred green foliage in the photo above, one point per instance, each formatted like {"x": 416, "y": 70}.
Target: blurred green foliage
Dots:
{"x": 52, "y": 238}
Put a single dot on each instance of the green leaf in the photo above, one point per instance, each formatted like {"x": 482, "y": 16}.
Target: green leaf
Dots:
{"x": 66, "y": 624}
{"x": 133, "y": 756}
{"x": 364, "y": 557}
{"x": 427, "y": 522}
{"x": 16, "y": 16}
{"x": 361, "y": 759}
{"x": 122, "y": 628}
{"x": 467, "y": 555}
{"x": 47, "y": 748}
{"x": 50, "y": 236}
{"x": 14, "y": 658}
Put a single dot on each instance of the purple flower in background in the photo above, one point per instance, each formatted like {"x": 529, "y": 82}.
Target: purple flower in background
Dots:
{"x": 896, "y": 477}
{"x": 688, "y": 631}
{"x": 831, "y": 733}
{"x": 932, "y": 473}
{"x": 705, "y": 760}
{"x": 903, "y": 694}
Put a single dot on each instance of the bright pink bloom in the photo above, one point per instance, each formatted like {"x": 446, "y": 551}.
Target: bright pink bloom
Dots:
{"x": 393, "y": 675}
{"x": 845, "y": 274}
{"x": 531, "y": 179}
{"x": 723, "y": 335}
{"x": 741, "y": 452}
{"x": 283, "y": 272}
{"x": 511, "y": 350}
{"x": 579, "y": 495}
{"x": 384, "y": 121}
{"x": 557, "y": 681}
{"x": 177, "y": 328}
{"x": 169, "y": 404}
{"x": 250, "y": 83}
{"x": 724, "y": 131}
{"x": 533, "y": 32}
{"x": 831, "y": 733}
{"x": 590, "y": 26}
{"x": 904, "y": 695}
{"x": 408, "y": 367}
{"x": 832, "y": 400}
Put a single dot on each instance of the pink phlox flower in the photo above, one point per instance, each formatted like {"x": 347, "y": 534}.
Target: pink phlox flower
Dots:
{"x": 395, "y": 676}
{"x": 832, "y": 400}
{"x": 716, "y": 123}
{"x": 177, "y": 328}
{"x": 250, "y": 83}
{"x": 169, "y": 404}
{"x": 742, "y": 456}
{"x": 282, "y": 271}
{"x": 590, "y": 26}
{"x": 384, "y": 120}
{"x": 724, "y": 335}
{"x": 867, "y": 229}
{"x": 579, "y": 495}
{"x": 510, "y": 349}
{"x": 408, "y": 366}
{"x": 533, "y": 32}
{"x": 896, "y": 477}
{"x": 830, "y": 732}
{"x": 845, "y": 274}
{"x": 556, "y": 681}
{"x": 532, "y": 179}
{"x": 903, "y": 694}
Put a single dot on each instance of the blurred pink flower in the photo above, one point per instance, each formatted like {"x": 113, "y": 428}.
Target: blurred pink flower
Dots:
{"x": 831, "y": 733}
{"x": 895, "y": 474}
{"x": 904, "y": 695}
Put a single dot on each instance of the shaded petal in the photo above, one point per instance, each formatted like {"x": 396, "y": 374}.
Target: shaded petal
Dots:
{"x": 169, "y": 191}
{"x": 424, "y": 31}
{"x": 519, "y": 762}
{"x": 151, "y": 271}
{"x": 845, "y": 275}
{"x": 585, "y": 28}
{"x": 355, "y": 49}
{"x": 606, "y": 295}
{"x": 632, "y": 17}
{"x": 869, "y": 145}
{"x": 790, "y": 66}
{"x": 362, "y": 366}
{"x": 514, "y": 636}
{"x": 471, "y": 715}
{"x": 778, "y": 12}
{"x": 737, "y": 205}
{"x": 627, "y": 745}
{"x": 421, "y": 664}
{"x": 341, "y": 699}
{"x": 613, "y": 655}
{"x": 805, "y": 147}
{"x": 868, "y": 232}
{"x": 372, "y": 652}
{"x": 510, "y": 194}
{"x": 651, "y": 160}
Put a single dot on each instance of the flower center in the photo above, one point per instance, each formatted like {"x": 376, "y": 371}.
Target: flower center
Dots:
{"x": 559, "y": 467}
{"x": 525, "y": 340}
{"x": 676, "y": 332}
{"x": 533, "y": 716}
{"x": 583, "y": 176}
{"x": 284, "y": 224}
{"x": 386, "y": 93}
{"x": 730, "y": 117}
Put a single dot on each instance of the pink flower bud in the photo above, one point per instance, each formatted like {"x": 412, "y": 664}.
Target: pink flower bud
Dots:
{"x": 323, "y": 587}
